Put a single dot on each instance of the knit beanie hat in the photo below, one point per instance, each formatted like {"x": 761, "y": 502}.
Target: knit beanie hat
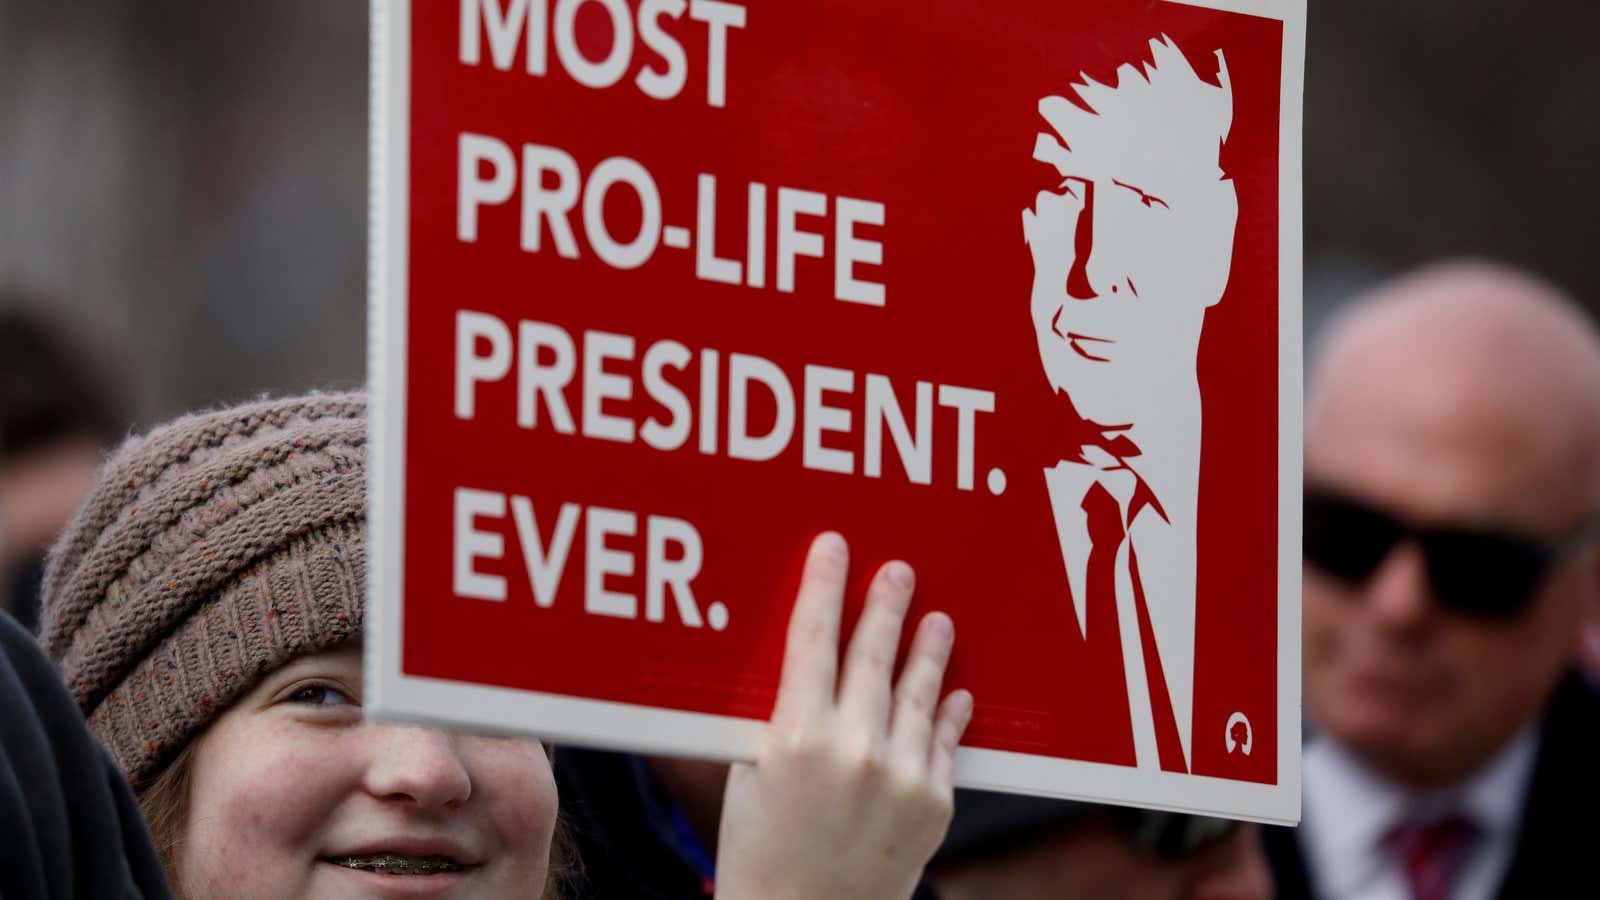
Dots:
{"x": 208, "y": 553}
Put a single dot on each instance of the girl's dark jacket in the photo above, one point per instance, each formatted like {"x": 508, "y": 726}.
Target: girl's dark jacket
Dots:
{"x": 69, "y": 824}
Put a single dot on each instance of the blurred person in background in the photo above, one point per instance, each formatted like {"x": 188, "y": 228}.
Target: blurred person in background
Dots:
{"x": 1452, "y": 492}
{"x": 1031, "y": 848}
{"x": 55, "y": 418}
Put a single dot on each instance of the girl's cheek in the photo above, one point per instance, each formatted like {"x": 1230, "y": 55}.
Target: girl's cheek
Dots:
{"x": 516, "y": 777}
{"x": 259, "y": 801}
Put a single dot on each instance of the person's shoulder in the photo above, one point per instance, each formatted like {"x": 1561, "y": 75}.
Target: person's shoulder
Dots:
{"x": 1572, "y": 724}
{"x": 13, "y": 637}
{"x": 33, "y": 687}
{"x": 66, "y": 815}
{"x": 1577, "y": 692}
{"x": 1550, "y": 850}
{"x": 1564, "y": 773}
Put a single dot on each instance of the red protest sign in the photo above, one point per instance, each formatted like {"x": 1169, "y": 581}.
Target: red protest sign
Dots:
{"x": 1010, "y": 291}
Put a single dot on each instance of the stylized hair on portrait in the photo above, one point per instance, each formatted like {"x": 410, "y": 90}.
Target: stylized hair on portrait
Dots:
{"x": 1143, "y": 93}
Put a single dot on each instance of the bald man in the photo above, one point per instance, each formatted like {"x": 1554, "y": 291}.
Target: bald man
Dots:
{"x": 1452, "y": 496}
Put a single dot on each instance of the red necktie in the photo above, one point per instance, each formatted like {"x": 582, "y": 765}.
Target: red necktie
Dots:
{"x": 1106, "y": 534}
{"x": 1432, "y": 853}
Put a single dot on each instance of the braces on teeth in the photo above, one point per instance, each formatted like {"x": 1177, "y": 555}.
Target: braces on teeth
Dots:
{"x": 399, "y": 865}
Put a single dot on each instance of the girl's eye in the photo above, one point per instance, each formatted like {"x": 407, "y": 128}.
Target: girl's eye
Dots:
{"x": 320, "y": 695}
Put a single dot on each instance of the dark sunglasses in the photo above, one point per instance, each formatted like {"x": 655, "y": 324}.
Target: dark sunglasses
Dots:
{"x": 1489, "y": 573}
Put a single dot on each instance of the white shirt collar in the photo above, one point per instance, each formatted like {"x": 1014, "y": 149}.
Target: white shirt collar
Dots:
{"x": 1068, "y": 484}
{"x": 1350, "y": 808}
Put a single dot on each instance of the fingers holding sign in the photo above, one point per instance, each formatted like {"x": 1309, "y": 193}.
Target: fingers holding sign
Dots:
{"x": 869, "y": 663}
{"x": 852, "y": 789}
{"x": 810, "y": 655}
{"x": 925, "y": 731}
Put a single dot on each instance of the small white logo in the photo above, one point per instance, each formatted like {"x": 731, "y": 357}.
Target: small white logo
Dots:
{"x": 1239, "y": 734}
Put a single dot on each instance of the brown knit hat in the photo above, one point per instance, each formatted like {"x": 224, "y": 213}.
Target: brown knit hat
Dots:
{"x": 208, "y": 553}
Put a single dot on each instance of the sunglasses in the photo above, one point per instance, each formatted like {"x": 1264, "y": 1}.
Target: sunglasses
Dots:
{"x": 1488, "y": 573}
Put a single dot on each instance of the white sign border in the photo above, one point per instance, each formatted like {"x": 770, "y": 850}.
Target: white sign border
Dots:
{"x": 392, "y": 695}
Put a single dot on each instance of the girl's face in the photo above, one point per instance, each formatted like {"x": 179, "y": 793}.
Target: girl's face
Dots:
{"x": 293, "y": 795}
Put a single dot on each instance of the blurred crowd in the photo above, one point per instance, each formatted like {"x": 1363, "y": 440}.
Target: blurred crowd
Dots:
{"x": 1452, "y": 507}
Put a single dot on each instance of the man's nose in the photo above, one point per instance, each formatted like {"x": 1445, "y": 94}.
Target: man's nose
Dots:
{"x": 418, "y": 766}
{"x": 1398, "y": 594}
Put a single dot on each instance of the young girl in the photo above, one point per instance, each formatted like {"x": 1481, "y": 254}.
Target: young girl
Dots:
{"x": 205, "y": 606}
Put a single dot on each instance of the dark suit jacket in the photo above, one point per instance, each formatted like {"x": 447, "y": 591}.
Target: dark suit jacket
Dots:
{"x": 1556, "y": 845}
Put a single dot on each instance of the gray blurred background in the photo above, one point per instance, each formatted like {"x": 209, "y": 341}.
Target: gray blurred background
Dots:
{"x": 183, "y": 185}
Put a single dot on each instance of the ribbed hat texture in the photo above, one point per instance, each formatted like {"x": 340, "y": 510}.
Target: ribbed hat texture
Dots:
{"x": 208, "y": 553}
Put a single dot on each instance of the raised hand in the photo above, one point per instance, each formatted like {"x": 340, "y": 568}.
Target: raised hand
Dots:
{"x": 852, "y": 788}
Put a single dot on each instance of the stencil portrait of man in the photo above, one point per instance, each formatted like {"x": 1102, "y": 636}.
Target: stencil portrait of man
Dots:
{"x": 1132, "y": 242}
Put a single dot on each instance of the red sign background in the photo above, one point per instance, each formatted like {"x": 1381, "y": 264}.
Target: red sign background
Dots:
{"x": 930, "y": 109}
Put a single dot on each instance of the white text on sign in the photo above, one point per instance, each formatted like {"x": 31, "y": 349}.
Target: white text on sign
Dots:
{"x": 661, "y": 394}
{"x": 552, "y": 187}
{"x": 547, "y": 360}
{"x": 673, "y": 556}
{"x": 525, "y": 28}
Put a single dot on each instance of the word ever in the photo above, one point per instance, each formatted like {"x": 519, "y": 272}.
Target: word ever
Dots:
{"x": 673, "y": 556}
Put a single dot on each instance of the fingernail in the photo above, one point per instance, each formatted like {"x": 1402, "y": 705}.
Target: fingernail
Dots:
{"x": 900, "y": 574}
{"x": 971, "y": 707}
{"x": 942, "y": 627}
{"x": 829, "y": 543}
{"x": 961, "y": 704}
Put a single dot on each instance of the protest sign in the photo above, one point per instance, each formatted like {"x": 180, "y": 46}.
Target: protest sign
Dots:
{"x": 1009, "y": 290}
